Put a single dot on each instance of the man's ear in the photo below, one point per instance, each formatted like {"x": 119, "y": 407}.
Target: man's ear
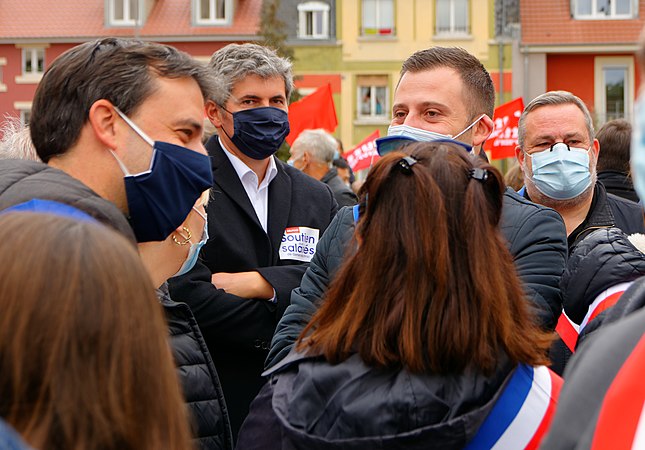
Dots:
{"x": 102, "y": 118}
{"x": 214, "y": 113}
{"x": 482, "y": 129}
{"x": 519, "y": 154}
{"x": 595, "y": 148}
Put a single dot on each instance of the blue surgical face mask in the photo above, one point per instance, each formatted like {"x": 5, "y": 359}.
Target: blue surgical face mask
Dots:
{"x": 638, "y": 148}
{"x": 561, "y": 172}
{"x": 160, "y": 198}
{"x": 421, "y": 135}
{"x": 193, "y": 252}
{"x": 259, "y": 132}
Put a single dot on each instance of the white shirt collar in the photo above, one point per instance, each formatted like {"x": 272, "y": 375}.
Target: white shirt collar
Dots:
{"x": 245, "y": 173}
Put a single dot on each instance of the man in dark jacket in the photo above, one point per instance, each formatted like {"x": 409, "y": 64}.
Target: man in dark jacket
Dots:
{"x": 558, "y": 154}
{"x": 264, "y": 221}
{"x": 444, "y": 93}
{"x": 613, "y": 161}
{"x": 103, "y": 112}
{"x": 313, "y": 153}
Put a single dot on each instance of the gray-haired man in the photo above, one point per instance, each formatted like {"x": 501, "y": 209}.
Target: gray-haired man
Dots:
{"x": 313, "y": 152}
{"x": 264, "y": 221}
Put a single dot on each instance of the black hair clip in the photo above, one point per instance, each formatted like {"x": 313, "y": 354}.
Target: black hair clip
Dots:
{"x": 478, "y": 174}
{"x": 406, "y": 163}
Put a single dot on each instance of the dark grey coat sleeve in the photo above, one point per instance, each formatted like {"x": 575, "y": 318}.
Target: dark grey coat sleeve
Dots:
{"x": 328, "y": 258}
{"x": 537, "y": 239}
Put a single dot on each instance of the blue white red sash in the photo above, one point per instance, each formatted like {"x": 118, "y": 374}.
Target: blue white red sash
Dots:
{"x": 523, "y": 412}
{"x": 604, "y": 301}
{"x": 569, "y": 331}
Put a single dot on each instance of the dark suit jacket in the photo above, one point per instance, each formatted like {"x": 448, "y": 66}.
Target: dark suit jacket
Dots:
{"x": 238, "y": 331}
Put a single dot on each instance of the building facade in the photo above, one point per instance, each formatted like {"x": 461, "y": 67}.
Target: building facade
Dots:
{"x": 361, "y": 50}
{"x": 583, "y": 46}
{"x": 34, "y": 32}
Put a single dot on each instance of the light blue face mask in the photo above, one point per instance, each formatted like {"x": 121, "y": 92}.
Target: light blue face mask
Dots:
{"x": 193, "y": 253}
{"x": 421, "y": 135}
{"x": 561, "y": 172}
{"x": 638, "y": 148}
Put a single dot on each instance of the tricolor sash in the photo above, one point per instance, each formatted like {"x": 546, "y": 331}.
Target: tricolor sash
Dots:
{"x": 569, "y": 331}
{"x": 522, "y": 413}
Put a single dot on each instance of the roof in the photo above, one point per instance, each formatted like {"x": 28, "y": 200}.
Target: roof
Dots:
{"x": 549, "y": 22}
{"x": 72, "y": 19}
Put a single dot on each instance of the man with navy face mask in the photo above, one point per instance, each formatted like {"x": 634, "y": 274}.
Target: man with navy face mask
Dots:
{"x": 264, "y": 221}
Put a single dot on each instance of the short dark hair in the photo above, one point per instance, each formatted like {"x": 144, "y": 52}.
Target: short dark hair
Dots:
{"x": 341, "y": 163}
{"x": 119, "y": 70}
{"x": 615, "y": 140}
{"x": 477, "y": 81}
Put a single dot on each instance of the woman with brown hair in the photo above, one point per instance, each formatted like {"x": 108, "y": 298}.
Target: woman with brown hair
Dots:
{"x": 425, "y": 338}
{"x": 84, "y": 355}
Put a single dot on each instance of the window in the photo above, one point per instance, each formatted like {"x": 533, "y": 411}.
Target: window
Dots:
{"x": 452, "y": 17}
{"x": 24, "y": 109}
{"x": 33, "y": 61}
{"x": 614, "y": 85}
{"x": 213, "y": 12}
{"x": 313, "y": 20}
{"x": 604, "y": 9}
{"x": 373, "y": 97}
{"x": 378, "y": 18}
{"x": 124, "y": 12}
{"x": 3, "y": 87}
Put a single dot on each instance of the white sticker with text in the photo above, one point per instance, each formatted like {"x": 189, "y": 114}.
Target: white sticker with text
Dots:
{"x": 299, "y": 243}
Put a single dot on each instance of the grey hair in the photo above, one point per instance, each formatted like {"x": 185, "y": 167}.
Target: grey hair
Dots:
{"x": 318, "y": 143}
{"x": 16, "y": 141}
{"x": 235, "y": 62}
{"x": 554, "y": 98}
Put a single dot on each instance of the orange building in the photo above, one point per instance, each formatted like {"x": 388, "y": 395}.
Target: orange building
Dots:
{"x": 582, "y": 46}
{"x": 34, "y": 32}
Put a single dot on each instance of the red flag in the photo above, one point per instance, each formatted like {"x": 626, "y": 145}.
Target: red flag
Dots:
{"x": 364, "y": 154}
{"x": 503, "y": 139}
{"x": 316, "y": 110}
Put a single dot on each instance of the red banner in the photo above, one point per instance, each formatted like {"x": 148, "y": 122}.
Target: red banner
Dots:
{"x": 503, "y": 139}
{"x": 316, "y": 110}
{"x": 364, "y": 154}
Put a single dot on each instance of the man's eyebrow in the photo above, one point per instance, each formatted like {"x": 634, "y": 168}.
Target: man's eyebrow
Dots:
{"x": 190, "y": 123}
{"x": 425, "y": 104}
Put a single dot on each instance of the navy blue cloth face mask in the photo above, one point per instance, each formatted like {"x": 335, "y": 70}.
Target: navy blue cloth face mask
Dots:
{"x": 259, "y": 132}
{"x": 160, "y": 198}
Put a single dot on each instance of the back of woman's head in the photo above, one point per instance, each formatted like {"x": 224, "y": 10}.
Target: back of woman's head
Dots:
{"x": 84, "y": 355}
{"x": 432, "y": 286}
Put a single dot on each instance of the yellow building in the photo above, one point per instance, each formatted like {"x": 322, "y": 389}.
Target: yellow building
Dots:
{"x": 374, "y": 37}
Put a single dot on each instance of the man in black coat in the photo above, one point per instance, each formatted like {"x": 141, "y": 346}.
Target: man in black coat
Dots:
{"x": 264, "y": 221}
{"x": 613, "y": 162}
{"x": 444, "y": 93}
{"x": 558, "y": 154}
{"x": 79, "y": 129}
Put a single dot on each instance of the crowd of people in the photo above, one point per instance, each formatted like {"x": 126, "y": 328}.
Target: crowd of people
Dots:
{"x": 162, "y": 291}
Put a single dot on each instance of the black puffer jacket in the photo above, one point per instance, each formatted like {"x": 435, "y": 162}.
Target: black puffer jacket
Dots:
{"x": 198, "y": 376}
{"x": 600, "y": 260}
{"x": 604, "y": 258}
{"x": 313, "y": 405}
